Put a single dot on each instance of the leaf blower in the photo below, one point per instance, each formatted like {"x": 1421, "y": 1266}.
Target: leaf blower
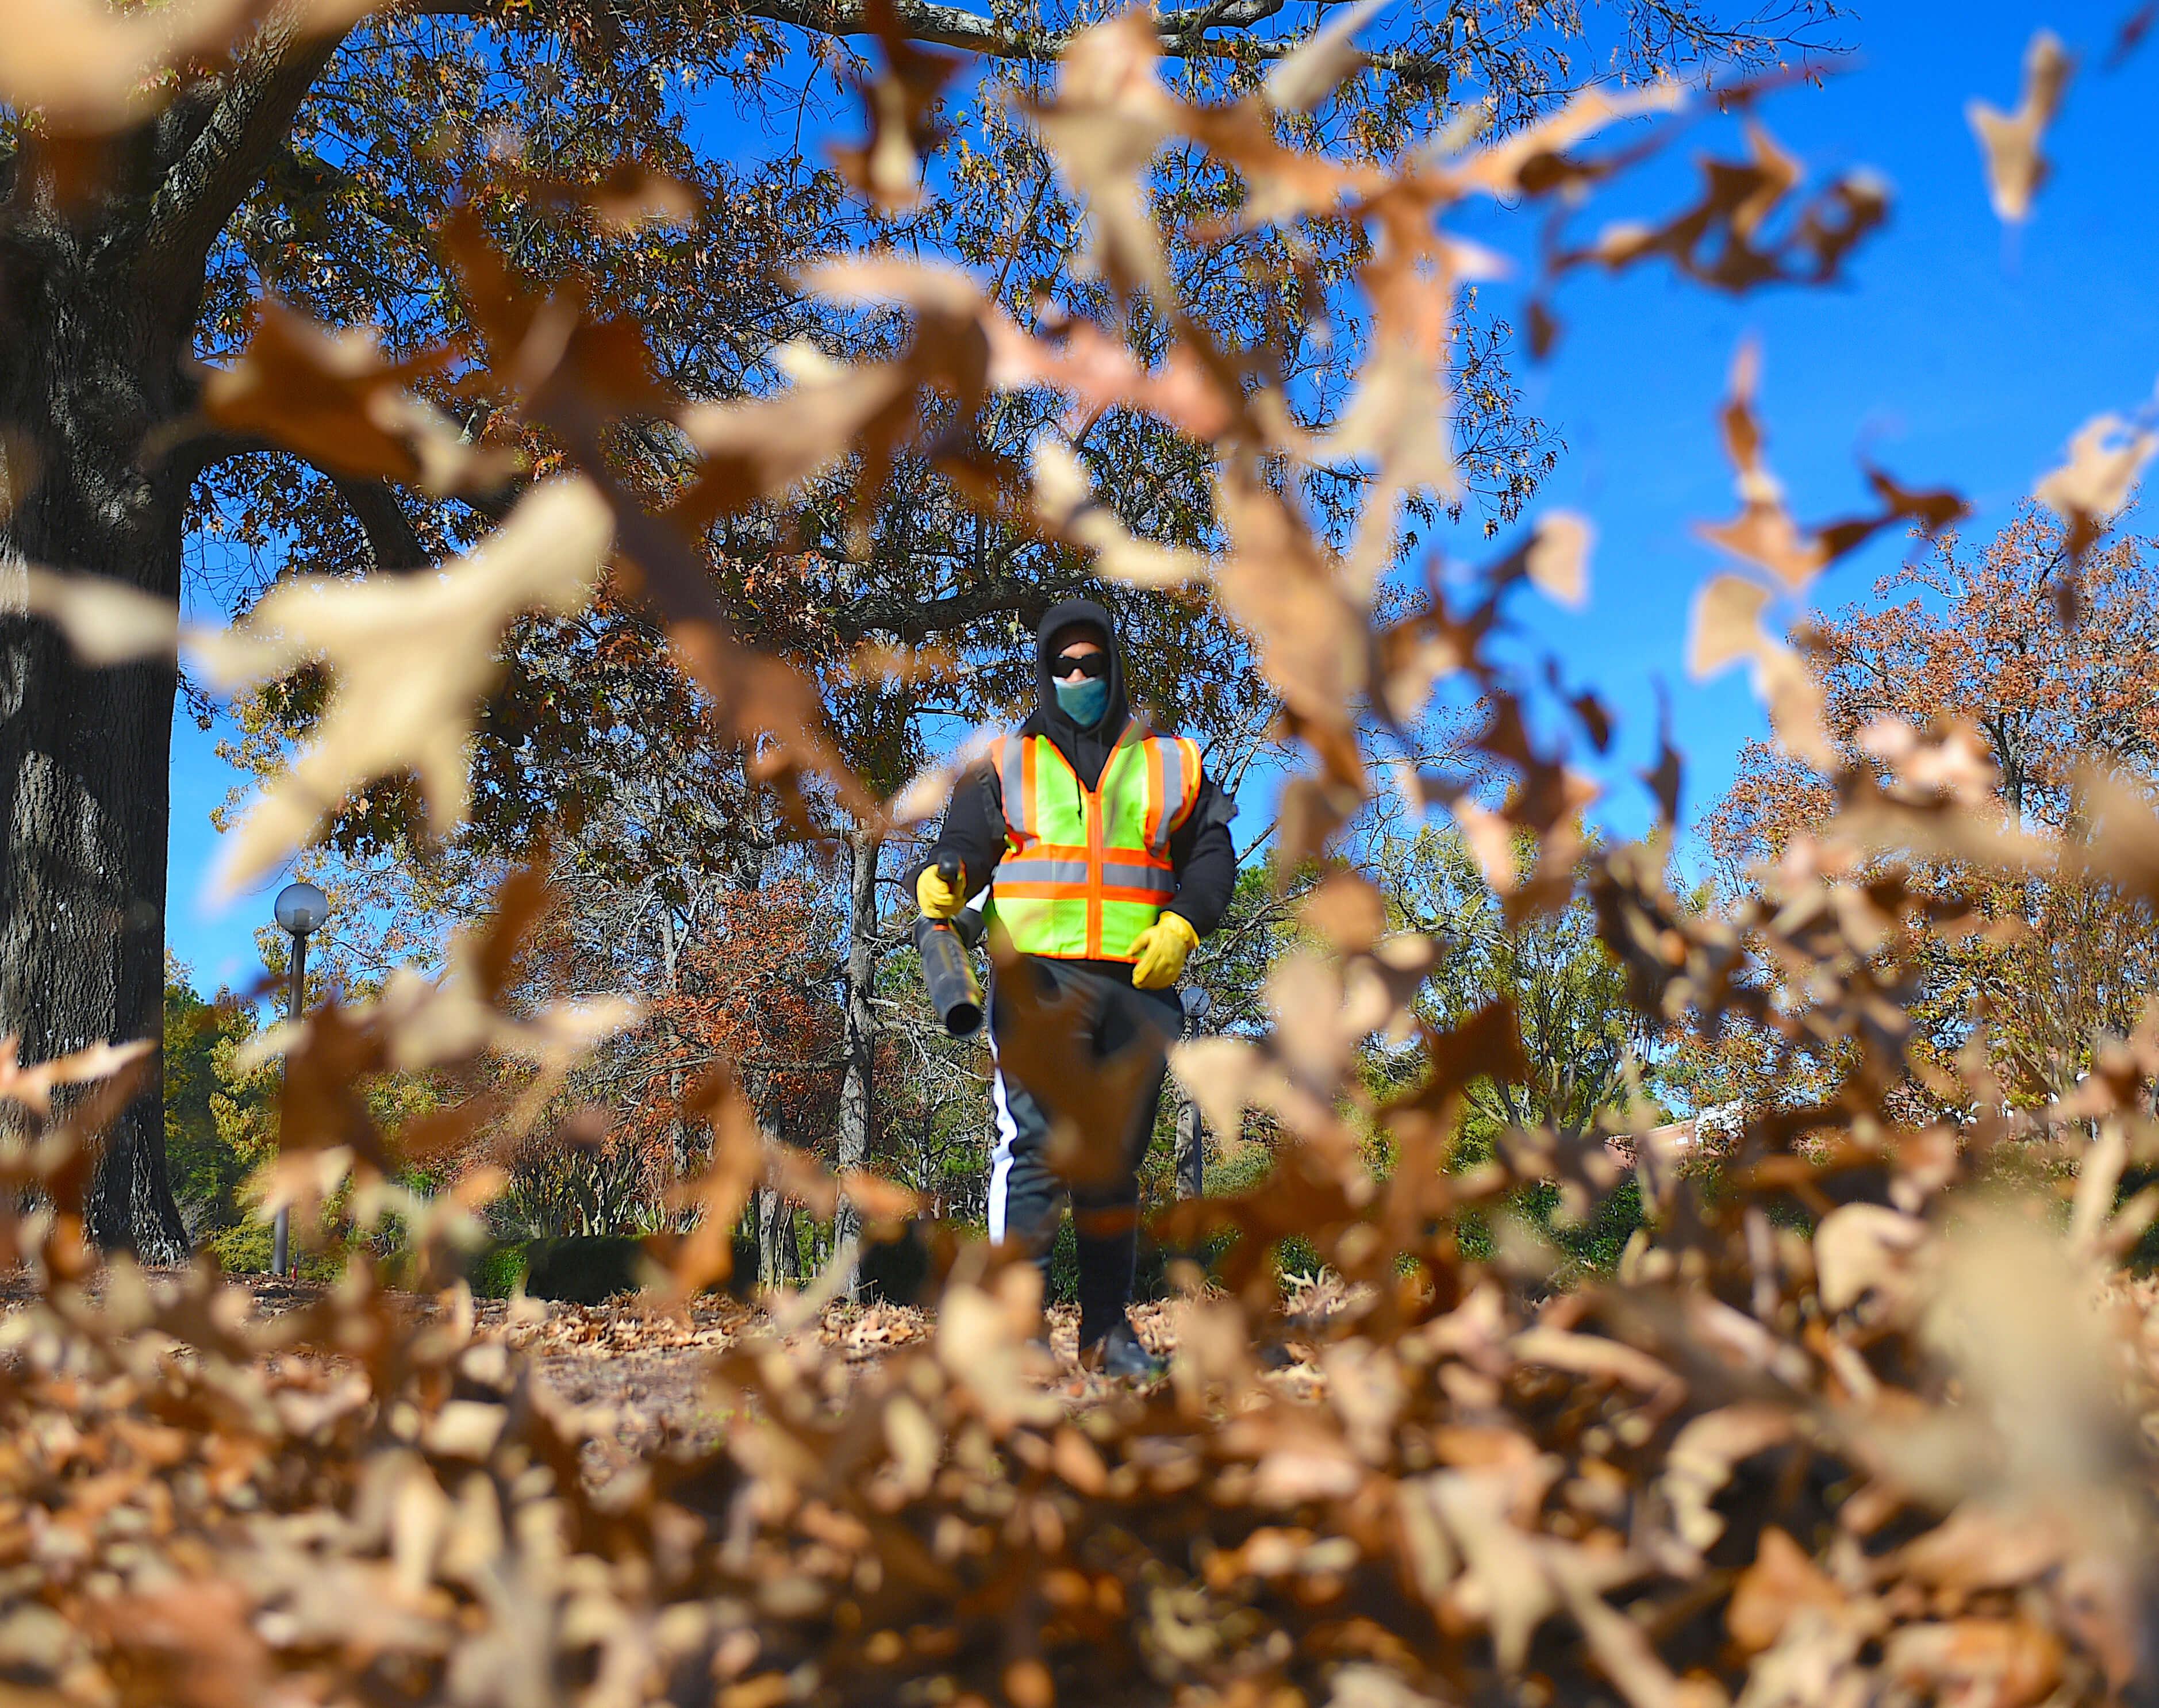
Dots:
{"x": 947, "y": 968}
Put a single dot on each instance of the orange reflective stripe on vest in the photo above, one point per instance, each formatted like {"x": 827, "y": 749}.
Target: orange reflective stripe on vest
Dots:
{"x": 1086, "y": 870}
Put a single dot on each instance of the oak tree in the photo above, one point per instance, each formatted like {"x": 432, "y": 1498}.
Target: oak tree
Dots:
{"x": 1973, "y": 632}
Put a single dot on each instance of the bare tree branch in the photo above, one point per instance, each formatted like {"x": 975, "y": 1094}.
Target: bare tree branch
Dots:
{"x": 297, "y": 177}
{"x": 1182, "y": 31}
{"x": 392, "y": 541}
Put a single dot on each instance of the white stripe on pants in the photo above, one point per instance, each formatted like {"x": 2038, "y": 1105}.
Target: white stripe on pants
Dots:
{"x": 1001, "y": 1157}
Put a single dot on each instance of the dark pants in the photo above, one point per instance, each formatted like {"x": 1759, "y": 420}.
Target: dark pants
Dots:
{"x": 1108, "y": 1018}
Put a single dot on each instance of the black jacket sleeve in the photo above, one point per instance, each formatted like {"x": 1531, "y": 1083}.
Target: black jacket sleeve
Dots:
{"x": 1205, "y": 859}
{"x": 974, "y": 828}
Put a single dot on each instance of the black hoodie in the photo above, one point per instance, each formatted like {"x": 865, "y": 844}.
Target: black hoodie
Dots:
{"x": 1203, "y": 857}
{"x": 1086, "y": 750}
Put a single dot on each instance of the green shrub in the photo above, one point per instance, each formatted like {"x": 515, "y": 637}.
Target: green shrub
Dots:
{"x": 895, "y": 1270}
{"x": 585, "y": 1270}
{"x": 497, "y": 1271}
{"x": 246, "y": 1248}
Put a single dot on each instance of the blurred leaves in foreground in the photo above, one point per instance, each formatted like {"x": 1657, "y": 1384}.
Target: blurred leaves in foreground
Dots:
{"x": 1856, "y": 1418}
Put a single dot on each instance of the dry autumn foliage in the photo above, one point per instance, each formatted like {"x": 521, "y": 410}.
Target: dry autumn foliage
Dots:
{"x": 1846, "y": 1429}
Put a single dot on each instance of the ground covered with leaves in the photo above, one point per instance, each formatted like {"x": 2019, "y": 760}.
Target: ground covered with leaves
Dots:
{"x": 1863, "y": 1414}
{"x": 640, "y": 1374}
{"x": 224, "y": 1494}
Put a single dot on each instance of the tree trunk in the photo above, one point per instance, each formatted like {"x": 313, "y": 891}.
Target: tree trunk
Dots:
{"x": 90, "y": 368}
{"x": 777, "y": 1259}
{"x": 1191, "y": 1152}
{"x": 768, "y": 1236}
{"x": 678, "y": 1130}
{"x": 857, "y": 1110}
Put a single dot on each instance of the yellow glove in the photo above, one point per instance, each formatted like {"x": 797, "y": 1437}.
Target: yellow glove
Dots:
{"x": 1159, "y": 951}
{"x": 937, "y": 900}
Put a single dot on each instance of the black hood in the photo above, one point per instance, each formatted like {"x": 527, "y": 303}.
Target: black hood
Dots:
{"x": 1087, "y": 749}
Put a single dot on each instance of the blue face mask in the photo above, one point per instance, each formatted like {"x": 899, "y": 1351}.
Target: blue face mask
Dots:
{"x": 1085, "y": 701}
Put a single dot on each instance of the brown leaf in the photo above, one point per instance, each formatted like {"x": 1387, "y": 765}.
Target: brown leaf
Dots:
{"x": 2105, "y": 456}
{"x": 1666, "y": 778}
{"x": 1622, "y": 1649}
{"x": 795, "y": 431}
{"x": 900, "y": 106}
{"x": 761, "y": 449}
{"x": 879, "y": 1199}
{"x": 1489, "y": 1041}
{"x": 1982, "y": 1546}
{"x": 1765, "y": 534}
{"x": 1308, "y": 77}
{"x": 89, "y": 68}
{"x": 1064, "y": 502}
{"x": 1727, "y": 624}
{"x": 1091, "y": 1102}
{"x": 1301, "y": 1195}
{"x": 1398, "y": 416}
{"x": 706, "y": 1255}
{"x": 1728, "y": 627}
{"x": 2014, "y": 1311}
{"x": 1027, "y": 1683}
{"x": 1109, "y": 117}
{"x": 1346, "y": 910}
{"x": 2009, "y": 142}
{"x": 924, "y": 795}
{"x": 2129, "y": 35}
{"x": 1701, "y": 1461}
{"x": 2122, "y": 834}
{"x": 981, "y": 1343}
{"x": 632, "y": 196}
{"x": 1520, "y": 161}
{"x": 330, "y": 397}
{"x": 1998, "y": 1663}
{"x": 1779, "y": 1583}
{"x": 1864, "y": 1248}
{"x": 384, "y": 716}
{"x": 1731, "y": 238}
{"x": 1225, "y": 1077}
{"x": 1559, "y": 559}
{"x": 199, "y": 1637}
{"x": 1281, "y": 583}
{"x": 1516, "y": 1592}
{"x": 1311, "y": 809}
{"x": 106, "y": 622}
{"x": 32, "y": 1086}
{"x": 1491, "y": 840}
{"x": 1593, "y": 1356}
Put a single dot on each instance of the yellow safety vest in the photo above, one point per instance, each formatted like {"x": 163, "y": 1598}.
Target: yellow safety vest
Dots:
{"x": 1086, "y": 871}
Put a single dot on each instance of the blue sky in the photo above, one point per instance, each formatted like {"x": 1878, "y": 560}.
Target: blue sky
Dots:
{"x": 1954, "y": 354}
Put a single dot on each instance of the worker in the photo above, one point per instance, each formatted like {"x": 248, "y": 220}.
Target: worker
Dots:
{"x": 1111, "y": 855}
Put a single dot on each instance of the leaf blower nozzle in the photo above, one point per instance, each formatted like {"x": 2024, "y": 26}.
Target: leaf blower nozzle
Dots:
{"x": 946, "y": 967}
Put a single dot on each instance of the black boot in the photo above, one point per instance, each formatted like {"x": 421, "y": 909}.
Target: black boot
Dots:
{"x": 1122, "y": 1355}
{"x": 1104, "y": 1263}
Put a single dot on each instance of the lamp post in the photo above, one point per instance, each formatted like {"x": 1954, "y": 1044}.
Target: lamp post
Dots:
{"x": 301, "y": 909}
{"x": 1191, "y": 1156}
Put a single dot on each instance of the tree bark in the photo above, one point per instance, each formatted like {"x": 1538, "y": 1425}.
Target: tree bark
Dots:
{"x": 1191, "y": 1151}
{"x": 777, "y": 1259}
{"x": 768, "y": 1245}
{"x": 91, "y": 366}
{"x": 100, "y": 301}
{"x": 678, "y": 1130}
{"x": 857, "y": 1107}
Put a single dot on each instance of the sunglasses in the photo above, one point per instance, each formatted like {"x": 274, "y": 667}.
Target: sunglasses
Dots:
{"x": 1090, "y": 665}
